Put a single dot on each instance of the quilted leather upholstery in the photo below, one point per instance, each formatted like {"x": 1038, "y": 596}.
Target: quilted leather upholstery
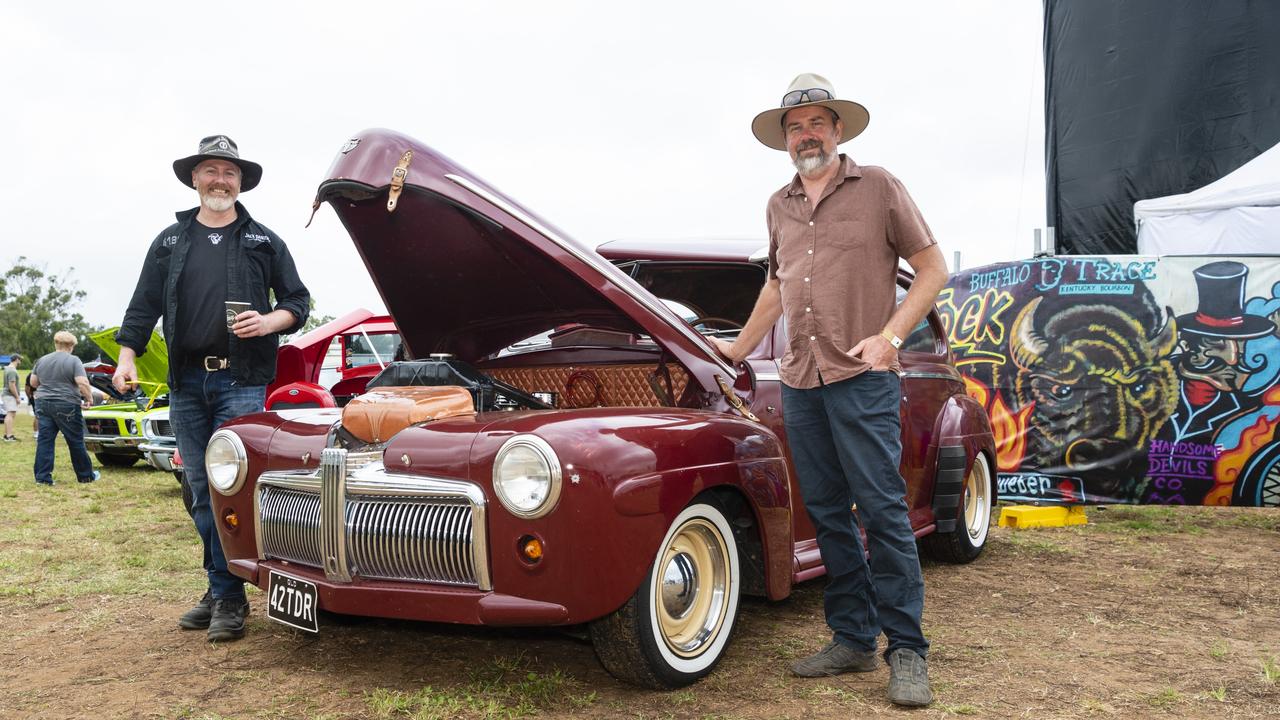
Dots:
{"x": 382, "y": 412}
{"x": 578, "y": 386}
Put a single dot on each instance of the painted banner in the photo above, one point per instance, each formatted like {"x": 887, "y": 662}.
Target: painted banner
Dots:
{"x": 1125, "y": 379}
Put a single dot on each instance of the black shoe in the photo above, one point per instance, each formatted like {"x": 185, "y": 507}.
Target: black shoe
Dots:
{"x": 227, "y": 622}
{"x": 197, "y": 618}
{"x": 44, "y": 482}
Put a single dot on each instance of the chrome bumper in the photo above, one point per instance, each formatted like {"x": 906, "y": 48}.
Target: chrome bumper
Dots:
{"x": 353, "y": 518}
{"x": 159, "y": 456}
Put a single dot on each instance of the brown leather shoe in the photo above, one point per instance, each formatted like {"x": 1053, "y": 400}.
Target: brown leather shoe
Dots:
{"x": 835, "y": 659}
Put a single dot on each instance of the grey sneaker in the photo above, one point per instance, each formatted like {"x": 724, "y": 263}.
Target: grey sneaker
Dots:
{"x": 908, "y": 679}
{"x": 227, "y": 622}
{"x": 835, "y": 659}
{"x": 197, "y": 618}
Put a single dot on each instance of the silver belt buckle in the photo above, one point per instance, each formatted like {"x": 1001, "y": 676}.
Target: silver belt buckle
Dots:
{"x": 213, "y": 363}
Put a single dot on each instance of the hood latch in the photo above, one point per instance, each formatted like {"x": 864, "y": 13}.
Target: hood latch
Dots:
{"x": 397, "y": 179}
{"x": 734, "y": 401}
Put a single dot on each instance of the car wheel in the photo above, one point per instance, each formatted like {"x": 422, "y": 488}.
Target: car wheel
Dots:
{"x": 965, "y": 543}
{"x": 188, "y": 499}
{"x": 114, "y": 460}
{"x": 676, "y": 626}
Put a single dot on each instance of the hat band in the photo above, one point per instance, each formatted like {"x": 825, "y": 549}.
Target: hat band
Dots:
{"x": 1219, "y": 322}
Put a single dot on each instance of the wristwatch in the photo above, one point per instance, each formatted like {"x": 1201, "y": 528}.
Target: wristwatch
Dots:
{"x": 894, "y": 340}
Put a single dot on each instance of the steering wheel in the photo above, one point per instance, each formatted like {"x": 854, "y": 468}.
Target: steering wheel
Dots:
{"x": 521, "y": 397}
{"x": 707, "y": 320}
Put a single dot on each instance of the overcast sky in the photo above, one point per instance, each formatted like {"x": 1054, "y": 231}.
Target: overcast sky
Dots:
{"x": 610, "y": 120}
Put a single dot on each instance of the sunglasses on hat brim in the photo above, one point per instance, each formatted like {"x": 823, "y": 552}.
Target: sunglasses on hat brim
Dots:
{"x": 795, "y": 97}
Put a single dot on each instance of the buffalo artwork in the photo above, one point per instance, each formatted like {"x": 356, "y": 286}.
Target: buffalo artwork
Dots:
{"x": 1126, "y": 379}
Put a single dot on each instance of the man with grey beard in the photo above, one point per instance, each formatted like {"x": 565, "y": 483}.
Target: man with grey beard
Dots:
{"x": 836, "y": 234}
{"x": 221, "y": 356}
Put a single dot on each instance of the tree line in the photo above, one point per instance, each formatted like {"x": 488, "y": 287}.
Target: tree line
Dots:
{"x": 34, "y": 304}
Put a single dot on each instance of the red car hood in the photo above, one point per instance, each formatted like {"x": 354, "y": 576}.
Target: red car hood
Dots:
{"x": 465, "y": 270}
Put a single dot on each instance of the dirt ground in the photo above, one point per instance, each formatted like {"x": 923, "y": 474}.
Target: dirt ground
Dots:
{"x": 1124, "y": 617}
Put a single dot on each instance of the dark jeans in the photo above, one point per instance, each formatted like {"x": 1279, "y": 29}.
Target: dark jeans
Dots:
{"x": 205, "y": 401}
{"x": 52, "y": 417}
{"x": 846, "y": 442}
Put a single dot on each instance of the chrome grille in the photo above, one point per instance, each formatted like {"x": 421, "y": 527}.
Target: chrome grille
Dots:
{"x": 411, "y": 539}
{"x": 368, "y": 523}
{"x": 162, "y": 428}
{"x": 333, "y": 511}
{"x": 290, "y": 524}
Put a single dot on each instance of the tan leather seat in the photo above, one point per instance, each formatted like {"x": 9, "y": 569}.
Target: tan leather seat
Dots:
{"x": 380, "y": 413}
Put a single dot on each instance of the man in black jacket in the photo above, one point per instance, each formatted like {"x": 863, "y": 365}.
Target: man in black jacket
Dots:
{"x": 220, "y": 360}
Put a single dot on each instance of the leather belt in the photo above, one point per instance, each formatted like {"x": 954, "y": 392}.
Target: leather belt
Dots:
{"x": 213, "y": 363}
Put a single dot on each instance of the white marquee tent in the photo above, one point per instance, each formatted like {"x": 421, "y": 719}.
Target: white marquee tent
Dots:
{"x": 1236, "y": 215}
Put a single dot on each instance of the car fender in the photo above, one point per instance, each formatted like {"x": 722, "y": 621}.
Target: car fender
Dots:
{"x": 627, "y": 475}
{"x": 964, "y": 422}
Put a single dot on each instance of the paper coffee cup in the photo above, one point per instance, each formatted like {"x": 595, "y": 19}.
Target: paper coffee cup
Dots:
{"x": 235, "y": 308}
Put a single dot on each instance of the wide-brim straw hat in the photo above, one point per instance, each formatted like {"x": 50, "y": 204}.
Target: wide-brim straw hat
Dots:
{"x": 767, "y": 126}
{"x": 219, "y": 147}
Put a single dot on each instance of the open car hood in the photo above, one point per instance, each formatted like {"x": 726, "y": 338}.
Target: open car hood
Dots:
{"x": 153, "y": 366}
{"x": 465, "y": 270}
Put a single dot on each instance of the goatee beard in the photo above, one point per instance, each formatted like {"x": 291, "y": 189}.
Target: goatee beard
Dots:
{"x": 812, "y": 165}
{"x": 218, "y": 203}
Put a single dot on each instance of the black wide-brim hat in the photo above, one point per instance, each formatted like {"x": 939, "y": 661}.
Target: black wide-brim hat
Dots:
{"x": 219, "y": 147}
{"x": 1220, "y": 312}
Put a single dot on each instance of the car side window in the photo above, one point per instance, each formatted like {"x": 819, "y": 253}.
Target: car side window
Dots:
{"x": 923, "y": 337}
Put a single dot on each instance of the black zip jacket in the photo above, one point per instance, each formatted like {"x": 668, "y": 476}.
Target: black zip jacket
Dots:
{"x": 257, "y": 262}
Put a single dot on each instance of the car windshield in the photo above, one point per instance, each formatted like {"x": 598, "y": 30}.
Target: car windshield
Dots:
{"x": 371, "y": 349}
{"x": 715, "y": 298}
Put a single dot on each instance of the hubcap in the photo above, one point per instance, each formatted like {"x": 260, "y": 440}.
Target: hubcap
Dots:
{"x": 679, "y": 585}
{"x": 977, "y": 506}
{"x": 692, "y": 599}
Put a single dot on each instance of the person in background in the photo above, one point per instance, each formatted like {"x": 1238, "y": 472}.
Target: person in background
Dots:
{"x": 219, "y": 362}
{"x": 11, "y": 396}
{"x": 31, "y": 399}
{"x": 836, "y": 234}
{"x": 62, "y": 389}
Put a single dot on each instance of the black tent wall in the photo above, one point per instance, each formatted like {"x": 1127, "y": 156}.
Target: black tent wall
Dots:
{"x": 1146, "y": 98}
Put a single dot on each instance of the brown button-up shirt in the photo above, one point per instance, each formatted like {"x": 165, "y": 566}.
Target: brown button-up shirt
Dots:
{"x": 836, "y": 258}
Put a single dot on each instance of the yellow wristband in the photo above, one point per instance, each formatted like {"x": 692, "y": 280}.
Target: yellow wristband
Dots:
{"x": 894, "y": 340}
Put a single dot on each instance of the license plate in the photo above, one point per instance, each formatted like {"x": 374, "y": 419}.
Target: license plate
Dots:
{"x": 292, "y": 601}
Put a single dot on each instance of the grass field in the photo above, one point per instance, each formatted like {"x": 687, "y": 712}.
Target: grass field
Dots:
{"x": 124, "y": 535}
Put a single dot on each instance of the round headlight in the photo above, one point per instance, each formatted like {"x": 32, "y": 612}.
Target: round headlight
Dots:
{"x": 226, "y": 462}
{"x": 526, "y": 476}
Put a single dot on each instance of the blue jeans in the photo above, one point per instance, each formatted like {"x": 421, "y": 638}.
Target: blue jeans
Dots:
{"x": 204, "y": 401}
{"x": 52, "y": 417}
{"x": 846, "y": 443}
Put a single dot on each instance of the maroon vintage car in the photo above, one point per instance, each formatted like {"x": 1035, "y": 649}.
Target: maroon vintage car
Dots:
{"x": 566, "y": 447}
